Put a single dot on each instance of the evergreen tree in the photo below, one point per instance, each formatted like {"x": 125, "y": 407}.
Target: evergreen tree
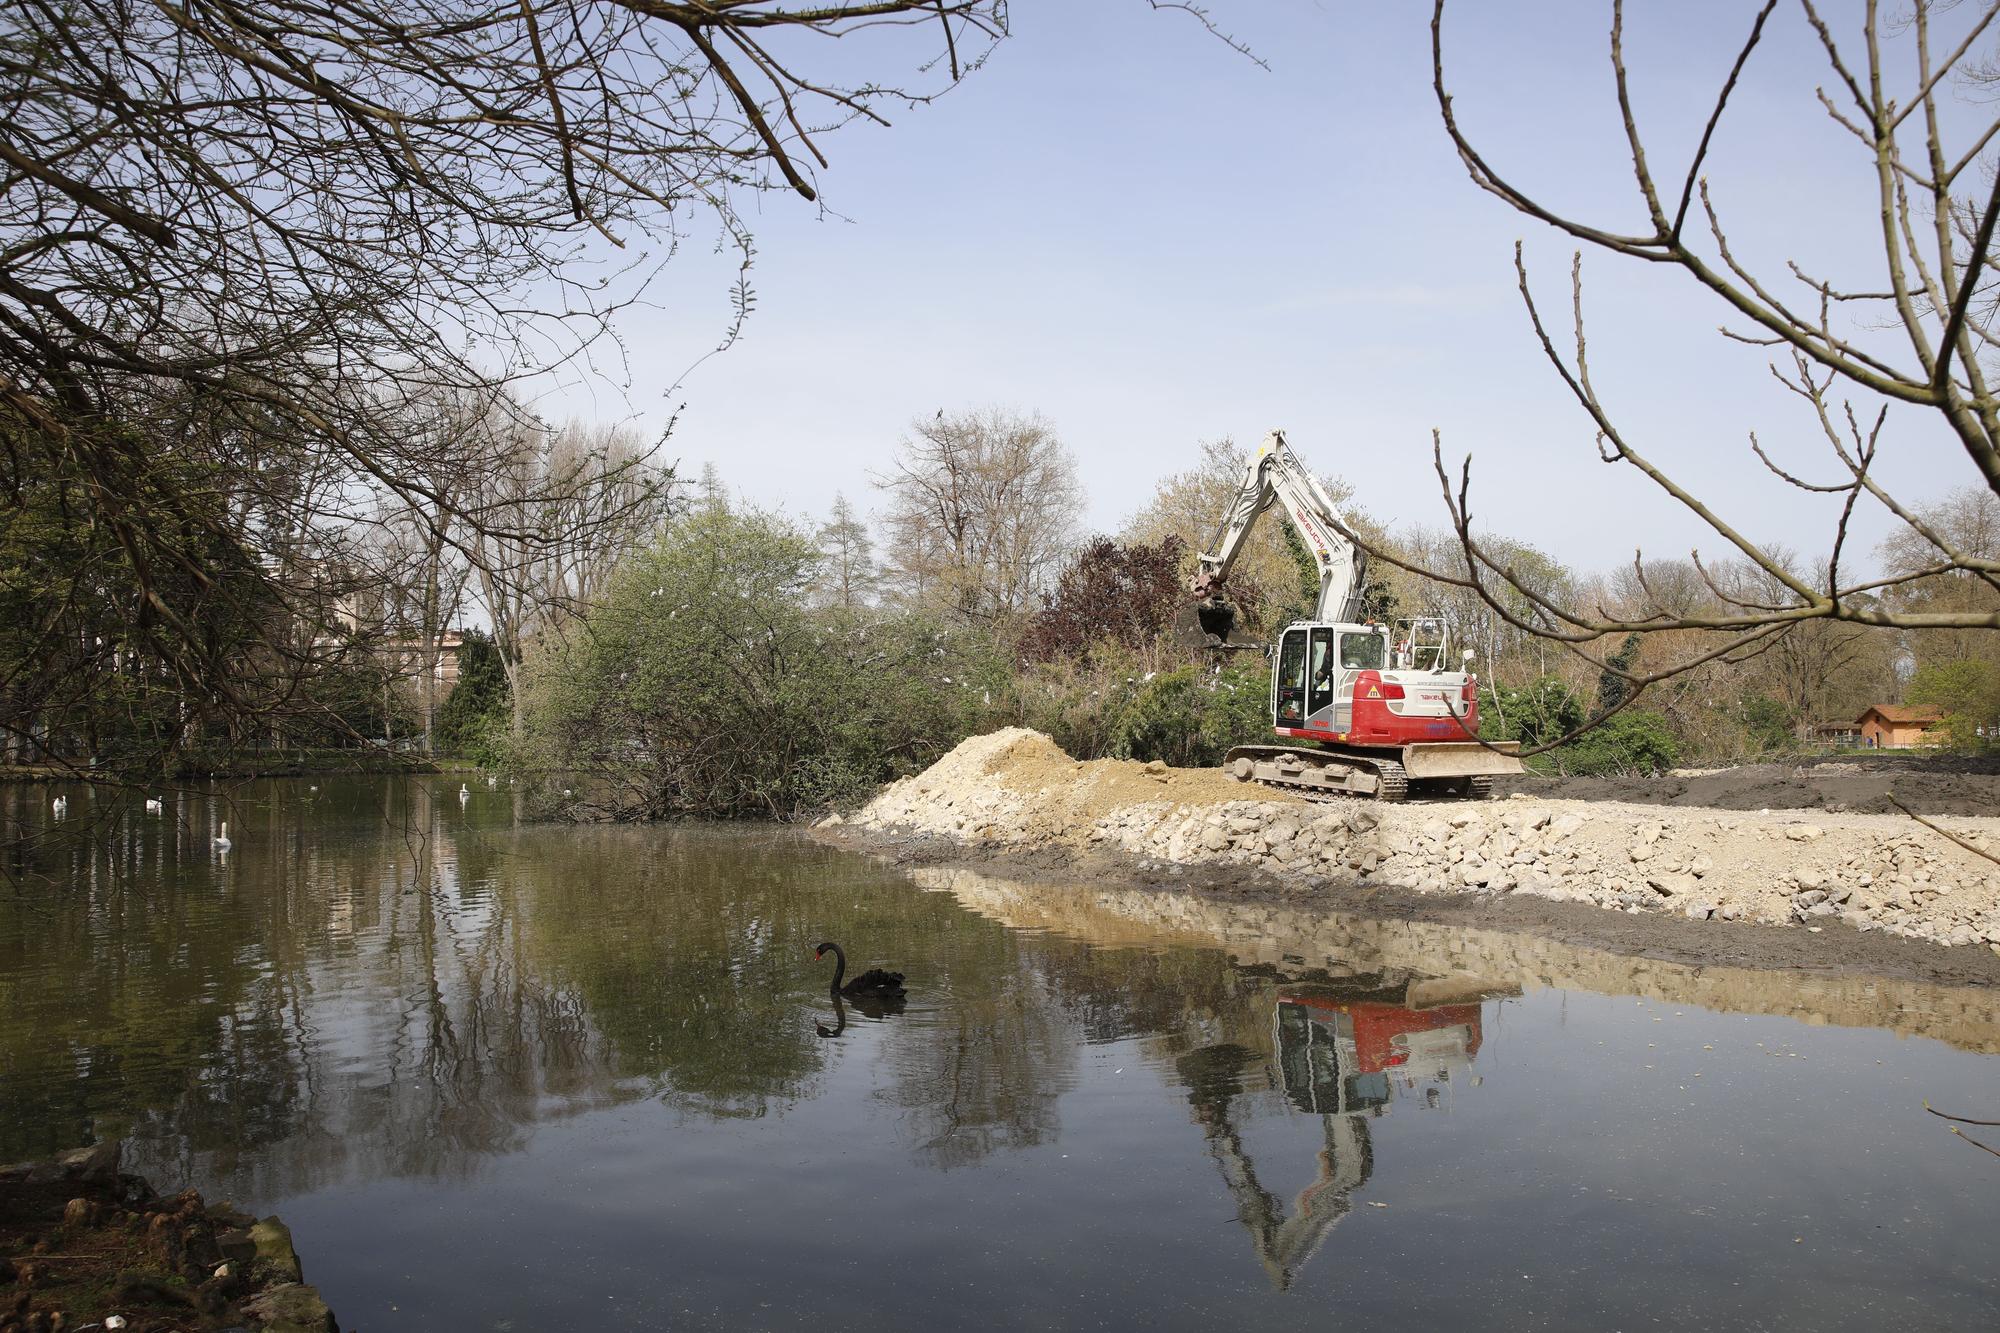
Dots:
{"x": 1612, "y": 688}
{"x": 475, "y": 714}
{"x": 849, "y": 576}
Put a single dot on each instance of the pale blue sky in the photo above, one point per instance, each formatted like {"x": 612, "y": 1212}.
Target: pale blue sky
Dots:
{"x": 1126, "y": 227}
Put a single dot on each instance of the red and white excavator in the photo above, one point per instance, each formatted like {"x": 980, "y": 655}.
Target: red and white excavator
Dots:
{"x": 1378, "y": 712}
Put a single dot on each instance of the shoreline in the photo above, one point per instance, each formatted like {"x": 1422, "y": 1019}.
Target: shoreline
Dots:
{"x": 1838, "y": 887}
{"x": 1455, "y": 950}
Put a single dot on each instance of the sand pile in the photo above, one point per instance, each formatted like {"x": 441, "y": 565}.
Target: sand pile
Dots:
{"x": 1015, "y": 788}
{"x": 1016, "y": 785}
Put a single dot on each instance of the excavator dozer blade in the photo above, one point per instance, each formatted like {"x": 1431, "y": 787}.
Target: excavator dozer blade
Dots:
{"x": 1461, "y": 759}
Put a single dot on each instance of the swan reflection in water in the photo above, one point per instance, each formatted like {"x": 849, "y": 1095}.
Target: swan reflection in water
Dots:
{"x": 876, "y": 1006}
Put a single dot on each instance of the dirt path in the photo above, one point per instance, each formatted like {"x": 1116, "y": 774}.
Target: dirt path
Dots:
{"x": 1927, "y": 784}
{"x": 1013, "y": 791}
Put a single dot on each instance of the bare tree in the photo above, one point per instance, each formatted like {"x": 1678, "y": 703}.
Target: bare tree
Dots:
{"x": 983, "y": 508}
{"x": 237, "y": 233}
{"x": 1803, "y": 666}
{"x": 849, "y": 575}
{"x": 1938, "y": 198}
{"x": 558, "y": 510}
{"x": 1968, "y": 519}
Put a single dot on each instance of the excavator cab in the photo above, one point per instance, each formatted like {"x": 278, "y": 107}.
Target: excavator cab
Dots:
{"x": 1318, "y": 666}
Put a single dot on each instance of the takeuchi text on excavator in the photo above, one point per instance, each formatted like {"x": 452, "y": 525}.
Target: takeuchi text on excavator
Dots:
{"x": 1375, "y": 707}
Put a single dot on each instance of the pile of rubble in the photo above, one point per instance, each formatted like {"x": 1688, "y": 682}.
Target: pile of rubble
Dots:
{"x": 1015, "y": 788}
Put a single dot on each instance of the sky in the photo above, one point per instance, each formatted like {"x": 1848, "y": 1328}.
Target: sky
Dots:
{"x": 1148, "y": 239}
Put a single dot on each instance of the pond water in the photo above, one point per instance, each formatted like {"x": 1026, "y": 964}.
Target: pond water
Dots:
{"x": 505, "y": 1075}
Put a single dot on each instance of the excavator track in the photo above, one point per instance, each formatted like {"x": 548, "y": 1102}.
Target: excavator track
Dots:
{"x": 1318, "y": 775}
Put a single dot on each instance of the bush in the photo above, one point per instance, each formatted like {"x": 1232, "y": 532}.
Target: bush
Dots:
{"x": 1533, "y": 715}
{"x": 1768, "y": 723}
{"x": 1633, "y": 741}
{"x": 1111, "y": 592}
{"x": 706, "y": 683}
{"x": 1190, "y": 717}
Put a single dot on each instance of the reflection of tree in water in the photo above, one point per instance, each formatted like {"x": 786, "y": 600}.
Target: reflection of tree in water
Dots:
{"x": 691, "y": 965}
{"x": 987, "y": 1077}
{"x": 114, "y": 996}
{"x": 205, "y": 1008}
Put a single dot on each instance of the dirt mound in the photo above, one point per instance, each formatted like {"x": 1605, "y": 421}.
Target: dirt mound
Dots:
{"x": 1032, "y": 763}
{"x": 1016, "y": 785}
{"x": 1927, "y": 784}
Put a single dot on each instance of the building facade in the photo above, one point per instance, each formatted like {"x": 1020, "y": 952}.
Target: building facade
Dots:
{"x": 1896, "y": 727}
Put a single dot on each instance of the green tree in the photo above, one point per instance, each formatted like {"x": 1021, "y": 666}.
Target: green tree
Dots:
{"x": 1536, "y": 714}
{"x": 1967, "y": 691}
{"x": 1612, "y": 687}
{"x": 1635, "y": 741}
{"x": 1769, "y": 723}
{"x": 706, "y": 682}
{"x": 474, "y": 721}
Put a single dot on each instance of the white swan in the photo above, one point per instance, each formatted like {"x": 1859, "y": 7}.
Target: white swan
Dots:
{"x": 464, "y": 793}
{"x": 222, "y": 843}
{"x": 59, "y": 806}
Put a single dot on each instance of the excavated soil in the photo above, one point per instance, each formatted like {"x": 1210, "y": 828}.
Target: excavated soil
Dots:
{"x": 1866, "y": 784}
{"x": 1840, "y": 875}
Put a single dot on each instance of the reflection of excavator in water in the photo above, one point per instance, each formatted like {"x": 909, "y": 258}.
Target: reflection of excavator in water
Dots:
{"x": 1381, "y": 716}
{"x": 1341, "y": 1053}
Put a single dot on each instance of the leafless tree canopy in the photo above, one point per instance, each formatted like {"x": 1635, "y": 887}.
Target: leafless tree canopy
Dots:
{"x": 983, "y": 508}
{"x": 1917, "y": 333}
{"x": 248, "y": 196}
{"x": 239, "y": 241}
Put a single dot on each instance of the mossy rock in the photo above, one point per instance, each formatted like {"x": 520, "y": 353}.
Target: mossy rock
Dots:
{"x": 276, "y": 1260}
{"x": 291, "y": 1308}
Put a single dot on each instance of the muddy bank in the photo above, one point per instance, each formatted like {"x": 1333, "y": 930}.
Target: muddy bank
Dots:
{"x": 1014, "y": 791}
{"x": 1863, "y": 784}
{"x": 86, "y": 1246}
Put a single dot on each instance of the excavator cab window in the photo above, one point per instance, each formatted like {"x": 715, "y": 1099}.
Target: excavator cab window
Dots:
{"x": 1322, "y": 677}
{"x": 1291, "y": 691}
{"x": 1361, "y": 652}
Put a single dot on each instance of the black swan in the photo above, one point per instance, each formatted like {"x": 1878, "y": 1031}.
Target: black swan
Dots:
{"x": 873, "y": 982}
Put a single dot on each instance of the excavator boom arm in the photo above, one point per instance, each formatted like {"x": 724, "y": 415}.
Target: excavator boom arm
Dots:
{"x": 1275, "y": 476}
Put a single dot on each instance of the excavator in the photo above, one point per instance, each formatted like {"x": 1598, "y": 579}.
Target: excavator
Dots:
{"x": 1380, "y": 713}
